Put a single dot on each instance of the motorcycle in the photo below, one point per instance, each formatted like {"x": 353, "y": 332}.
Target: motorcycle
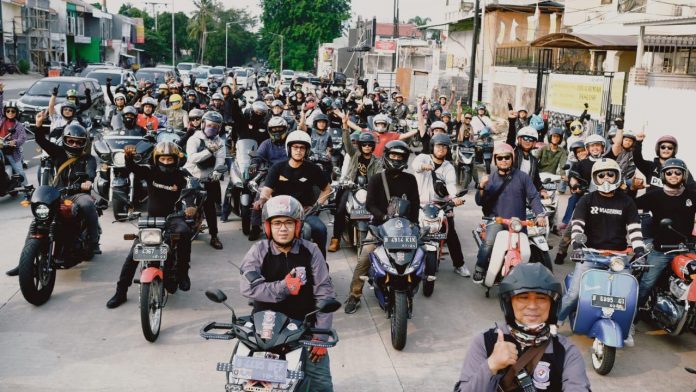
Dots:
{"x": 510, "y": 248}
{"x": 272, "y": 353}
{"x": 10, "y": 68}
{"x": 484, "y": 152}
{"x": 194, "y": 197}
{"x": 433, "y": 221}
{"x": 324, "y": 162}
{"x": 396, "y": 268}
{"x": 672, "y": 302}
{"x": 57, "y": 239}
{"x": 337, "y": 150}
{"x": 550, "y": 183}
{"x": 464, "y": 159}
{"x": 238, "y": 194}
{"x": 12, "y": 182}
{"x": 607, "y": 302}
{"x": 358, "y": 217}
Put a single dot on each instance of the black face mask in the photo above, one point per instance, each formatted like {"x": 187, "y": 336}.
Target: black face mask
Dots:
{"x": 129, "y": 122}
{"x": 168, "y": 169}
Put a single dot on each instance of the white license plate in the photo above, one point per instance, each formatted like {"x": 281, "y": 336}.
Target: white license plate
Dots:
{"x": 150, "y": 253}
{"x": 608, "y": 301}
{"x": 401, "y": 242}
{"x": 260, "y": 369}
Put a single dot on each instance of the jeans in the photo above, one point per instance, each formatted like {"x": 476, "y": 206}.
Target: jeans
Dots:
{"x": 318, "y": 375}
{"x": 318, "y": 232}
{"x": 570, "y": 299}
{"x": 454, "y": 245}
{"x": 213, "y": 197}
{"x": 572, "y": 201}
{"x": 340, "y": 217}
{"x": 17, "y": 168}
{"x": 362, "y": 268}
{"x": 87, "y": 210}
{"x": 484, "y": 252}
{"x": 658, "y": 260}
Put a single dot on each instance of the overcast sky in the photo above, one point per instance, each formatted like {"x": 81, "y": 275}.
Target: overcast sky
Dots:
{"x": 382, "y": 9}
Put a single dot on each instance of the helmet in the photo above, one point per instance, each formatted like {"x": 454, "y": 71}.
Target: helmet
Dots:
{"x": 163, "y": 86}
{"x": 437, "y": 106}
{"x": 525, "y": 278}
{"x": 575, "y": 146}
{"x": 666, "y": 139}
{"x": 448, "y": 114}
{"x": 70, "y": 105}
{"x": 132, "y": 90}
{"x": 78, "y": 133}
{"x": 321, "y": 117}
{"x": 480, "y": 107}
{"x": 594, "y": 139}
{"x": 555, "y": 131}
{"x": 191, "y": 93}
{"x": 366, "y": 138}
{"x": 442, "y": 96}
{"x": 130, "y": 110}
{"x": 337, "y": 104}
{"x": 163, "y": 149}
{"x": 268, "y": 97}
{"x": 277, "y": 103}
{"x": 259, "y": 109}
{"x": 629, "y": 135}
{"x": 10, "y": 105}
{"x": 528, "y": 132}
{"x": 576, "y": 128}
{"x": 602, "y": 165}
{"x": 536, "y": 122}
{"x": 277, "y": 122}
{"x": 398, "y": 95}
{"x": 217, "y": 96}
{"x": 212, "y": 116}
{"x": 396, "y": 147}
{"x": 119, "y": 96}
{"x": 503, "y": 149}
{"x": 438, "y": 125}
{"x": 298, "y": 137}
{"x": 440, "y": 139}
{"x": 674, "y": 163}
{"x": 325, "y": 103}
{"x": 282, "y": 205}
{"x": 355, "y": 136}
{"x": 202, "y": 84}
{"x": 71, "y": 93}
{"x": 522, "y": 109}
{"x": 195, "y": 113}
{"x": 176, "y": 98}
{"x": 150, "y": 101}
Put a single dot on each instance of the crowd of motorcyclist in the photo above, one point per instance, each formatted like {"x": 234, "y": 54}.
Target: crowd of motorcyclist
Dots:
{"x": 296, "y": 134}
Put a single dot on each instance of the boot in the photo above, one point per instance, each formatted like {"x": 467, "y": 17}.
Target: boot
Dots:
{"x": 13, "y": 272}
{"x": 184, "y": 281}
{"x": 119, "y": 298}
{"x": 215, "y": 242}
{"x": 560, "y": 258}
{"x": 335, "y": 245}
{"x": 255, "y": 233}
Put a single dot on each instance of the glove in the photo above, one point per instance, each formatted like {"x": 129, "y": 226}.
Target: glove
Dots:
{"x": 108, "y": 81}
{"x": 294, "y": 284}
{"x": 212, "y": 147}
{"x": 317, "y": 353}
{"x": 638, "y": 253}
{"x": 216, "y": 176}
{"x": 55, "y": 91}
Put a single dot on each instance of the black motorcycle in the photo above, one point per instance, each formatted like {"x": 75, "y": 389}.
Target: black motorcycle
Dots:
{"x": 238, "y": 195}
{"x": 272, "y": 354}
{"x": 57, "y": 239}
{"x": 464, "y": 159}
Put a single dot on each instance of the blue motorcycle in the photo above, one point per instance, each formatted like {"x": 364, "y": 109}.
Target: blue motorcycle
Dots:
{"x": 607, "y": 303}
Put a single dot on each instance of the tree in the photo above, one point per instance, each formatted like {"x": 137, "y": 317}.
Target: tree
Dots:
{"x": 203, "y": 19}
{"x": 182, "y": 39}
{"x": 418, "y": 21}
{"x": 155, "y": 46}
{"x": 304, "y": 24}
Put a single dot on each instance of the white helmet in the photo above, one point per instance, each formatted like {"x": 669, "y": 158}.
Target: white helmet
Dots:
{"x": 522, "y": 109}
{"x": 438, "y": 124}
{"x": 603, "y": 165}
{"x": 120, "y": 96}
{"x": 595, "y": 139}
{"x": 276, "y": 122}
{"x": 298, "y": 137}
{"x": 381, "y": 119}
{"x": 529, "y": 132}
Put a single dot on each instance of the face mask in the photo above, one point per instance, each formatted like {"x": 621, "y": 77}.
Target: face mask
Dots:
{"x": 167, "y": 168}
{"x": 128, "y": 121}
{"x": 210, "y": 132}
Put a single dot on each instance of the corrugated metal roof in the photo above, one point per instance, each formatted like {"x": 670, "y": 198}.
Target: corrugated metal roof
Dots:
{"x": 586, "y": 41}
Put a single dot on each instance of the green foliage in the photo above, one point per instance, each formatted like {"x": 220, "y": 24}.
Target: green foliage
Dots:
{"x": 304, "y": 24}
{"x": 23, "y": 66}
{"x": 418, "y": 21}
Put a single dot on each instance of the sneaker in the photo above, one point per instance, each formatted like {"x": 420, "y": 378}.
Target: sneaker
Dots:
{"x": 215, "y": 242}
{"x": 351, "y": 305}
{"x": 560, "y": 258}
{"x": 118, "y": 299}
{"x": 629, "y": 342}
{"x": 478, "y": 276}
{"x": 184, "y": 282}
{"x": 335, "y": 245}
{"x": 463, "y": 271}
{"x": 255, "y": 233}
{"x": 13, "y": 272}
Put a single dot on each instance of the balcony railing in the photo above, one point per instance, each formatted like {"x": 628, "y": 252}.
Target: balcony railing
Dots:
{"x": 674, "y": 54}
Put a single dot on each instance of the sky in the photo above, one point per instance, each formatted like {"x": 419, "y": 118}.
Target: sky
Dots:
{"x": 382, "y": 9}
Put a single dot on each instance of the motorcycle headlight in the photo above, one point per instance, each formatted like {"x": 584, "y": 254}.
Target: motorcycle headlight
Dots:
{"x": 361, "y": 196}
{"x": 42, "y": 211}
{"x": 106, "y": 157}
{"x": 150, "y": 236}
{"x": 119, "y": 159}
{"x": 430, "y": 226}
{"x": 516, "y": 225}
{"x": 617, "y": 264}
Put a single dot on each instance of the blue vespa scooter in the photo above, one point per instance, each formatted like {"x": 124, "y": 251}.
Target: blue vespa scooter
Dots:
{"x": 607, "y": 302}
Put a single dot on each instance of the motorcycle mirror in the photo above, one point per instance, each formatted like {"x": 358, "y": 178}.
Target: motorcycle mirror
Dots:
{"x": 665, "y": 223}
{"x": 580, "y": 239}
{"x": 328, "y": 305}
{"x": 216, "y": 295}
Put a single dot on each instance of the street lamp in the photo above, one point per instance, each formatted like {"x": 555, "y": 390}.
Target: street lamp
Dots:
{"x": 282, "y": 37}
{"x": 226, "y": 46}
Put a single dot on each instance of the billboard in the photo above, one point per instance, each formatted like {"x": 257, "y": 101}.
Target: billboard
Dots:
{"x": 139, "y": 30}
{"x": 385, "y": 46}
{"x": 568, "y": 93}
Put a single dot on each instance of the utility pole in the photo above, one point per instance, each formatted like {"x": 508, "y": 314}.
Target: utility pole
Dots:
{"x": 173, "y": 39}
{"x": 2, "y": 38}
{"x": 396, "y": 32}
{"x": 227, "y": 25}
{"x": 282, "y": 37}
{"x": 472, "y": 66}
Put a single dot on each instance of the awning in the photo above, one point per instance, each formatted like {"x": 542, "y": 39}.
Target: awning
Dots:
{"x": 586, "y": 41}
{"x": 681, "y": 20}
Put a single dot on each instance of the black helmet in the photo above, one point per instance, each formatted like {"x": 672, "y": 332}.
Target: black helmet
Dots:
{"x": 575, "y": 146}
{"x": 440, "y": 138}
{"x": 321, "y": 117}
{"x": 367, "y": 138}
{"x": 325, "y": 103}
{"x": 75, "y": 139}
{"x": 448, "y": 114}
{"x": 69, "y": 105}
{"x": 396, "y": 147}
{"x": 674, "y": 163}
{"x": 259, "y": 109}
{"x": 555, "y": 131}
{"x": 529, "y": 277}
{"x": 437, "y": 106}
{"x": 128, "y": 120}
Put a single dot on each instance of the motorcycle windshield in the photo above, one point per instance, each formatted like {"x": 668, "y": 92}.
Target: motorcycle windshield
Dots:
{"x": 244, "y": 147}
{"x": 167, "y": 136}
{"x": 117, "y": 142}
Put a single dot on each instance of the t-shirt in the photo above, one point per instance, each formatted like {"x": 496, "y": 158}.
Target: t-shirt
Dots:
{"x": 382, "y": 140}
{"x": 296, "y": 182}
{"x": 363, "y": 163}
{"x": 607, "y": 221}
{"x": 680, "y": 209}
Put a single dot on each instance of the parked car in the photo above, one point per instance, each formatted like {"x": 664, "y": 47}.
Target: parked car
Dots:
{"x": 36, "y": 98}
{"x": 185, "y": 68}
{"x": 117, "y": 76}
{"x": 155, "y": 75}
{"x": 242, "y": 78}
{"x": 218, "y": 73}
{"x": 95, "y": 66}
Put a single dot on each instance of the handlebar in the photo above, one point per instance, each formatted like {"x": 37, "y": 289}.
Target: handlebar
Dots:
{"x": 506, "y": 222}
{"x": 331, "y": 342}
{"x": 206, "y": 334}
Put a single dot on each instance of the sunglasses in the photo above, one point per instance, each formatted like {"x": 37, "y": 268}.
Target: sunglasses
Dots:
{"x": 607, "y": 174}
{"x": 528, "y": 139}
{"x": 670, "y": 173}
{"x": 468, "y": 118}
{"x": 8, "y": 111}
{"x": 667, "y": 147}
{"x": 501, "y": 158}
{"x": 195, "y": 119}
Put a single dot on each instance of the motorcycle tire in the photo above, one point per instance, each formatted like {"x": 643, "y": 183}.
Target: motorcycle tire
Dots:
{"x": 430, "y": 269}
{"x": 2, "y": 72}
{"x": 151, "y": 304}
{"x": 35, "y": 280}
{"x": 399, "y": 320}
{"x": 119, "y": 205}
{"x": 246, "y": 219}
{"x": 603, "y": 365}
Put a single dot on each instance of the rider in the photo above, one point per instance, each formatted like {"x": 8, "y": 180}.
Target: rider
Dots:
{"x": 665, "y": 148}
{"x": 673, "y": 200}
{"x": 552, "y": 157}
{"x": 506, "y": 193}
{"x": 177, "y": 117}
{"x": 9, "y": 124}
{"x": 437, "y": 180}
{"x": 529, "y": 297}
{"x": 270, "y": 279}
{"x": 524, "y": 159}
{"x": 400, "y": 108}
{"x": 206, "y": 152}
{"x": 607, "y": 218}
{"x": 217, "y": 102}
{"x": 381, "y": 125}
{"x": 400, "y": 184}
{"x": 191, "y": 101}
{"x": 147, "y": 119}
{"x": 480, "y": 121}
{"x": 115, "y": 111}
{"x": 297, "y": 177}
{"x": 622, "y": 152}
{"x": 130, "y": 115}
{"x": 195, "y": 117}
{"x": 165, "y": 181}
{"x": 65, "y": 114}
{"x": 516, "y": 121}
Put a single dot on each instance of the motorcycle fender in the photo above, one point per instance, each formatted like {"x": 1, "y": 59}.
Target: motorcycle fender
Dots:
{"x": 540, "y": 242}
{"x": 608, "y": 332}
{"x": 500, "y": 247}
{"x": 149, "y": 274}
{"x": 525, "y": 251}
{"x": 467, "y": 160}
{"x": 245, "y": 199}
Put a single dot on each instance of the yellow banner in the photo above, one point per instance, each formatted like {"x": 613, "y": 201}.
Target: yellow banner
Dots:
{"x": 617, "y": 88}
{"x": 568, "y": 94}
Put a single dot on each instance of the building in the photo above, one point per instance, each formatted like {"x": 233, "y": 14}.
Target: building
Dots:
{"x": 14, "y": 41}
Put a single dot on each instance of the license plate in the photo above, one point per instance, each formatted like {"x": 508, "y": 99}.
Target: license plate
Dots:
{"x": 467, "y": 150}
{"x": 607, "y": 301}
{"x": 360, "y": 213}
{"x": 437, "y": 236}
{"x": 260, "y": 369}
{"x": 401, "y": 242}
{"x": 150, "y": 253}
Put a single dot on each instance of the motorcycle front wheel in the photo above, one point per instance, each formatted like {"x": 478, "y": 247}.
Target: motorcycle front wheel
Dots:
{"x": 430, "y": 269}
{"x": 399, "y": 320}
{"x": 119, "y": 205}
{"x": 151, "y": 301}
{"x": 36, "y": 277}
{"x": 245, "y": 213}
{"x": 603, "y": 357}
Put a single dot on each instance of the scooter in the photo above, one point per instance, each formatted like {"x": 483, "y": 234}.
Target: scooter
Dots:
{"x": 607, "y": 303}
{"x": 358, "y": 217}
{"x": 238, "y": 193}
{"x": 465, "y": 156}
{"x": 337, "y": 150}
{"x": 538, "y": 237}
{"x": 550, "y": 183}
{"x": 13, "y": 182}
{"x": 511, "y": 247}
{"x": 396, "y": 268}
{"x": 272, "y": 355}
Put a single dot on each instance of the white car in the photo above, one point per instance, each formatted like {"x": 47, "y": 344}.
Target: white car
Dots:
{"x": 117, "y": 76}
{"x": 185, "y": 68}
{"x": 243, "y": 79}
{"x": 287, "y": 75}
